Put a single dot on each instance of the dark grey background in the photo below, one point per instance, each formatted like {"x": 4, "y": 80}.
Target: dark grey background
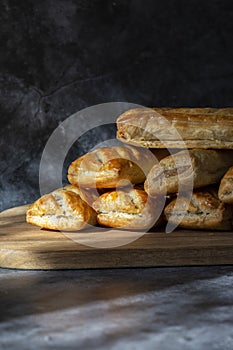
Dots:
{"x": 59, "y": 56}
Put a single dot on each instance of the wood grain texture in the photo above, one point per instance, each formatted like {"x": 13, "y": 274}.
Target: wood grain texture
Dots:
{"x": 27, "y": 247}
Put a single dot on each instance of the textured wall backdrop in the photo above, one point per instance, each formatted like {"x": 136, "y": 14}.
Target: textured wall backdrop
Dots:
{"x": 59, "y": 56}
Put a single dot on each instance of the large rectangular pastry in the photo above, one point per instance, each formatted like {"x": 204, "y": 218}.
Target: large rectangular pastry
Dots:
{"x": 177, "y": 127}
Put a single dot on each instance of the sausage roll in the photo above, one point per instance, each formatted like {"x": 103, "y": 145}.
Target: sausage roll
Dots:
{"x": 63, "y": 209}
{"x": 196, "y": 167}
{"x": 225, "y": 191}
{"x": 130, "y": 208}
{"x": 205, "y": 211}
{"x": 111, "y": 167}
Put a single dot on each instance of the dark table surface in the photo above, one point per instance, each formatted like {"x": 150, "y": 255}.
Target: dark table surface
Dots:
{"x": 153, "y": 308}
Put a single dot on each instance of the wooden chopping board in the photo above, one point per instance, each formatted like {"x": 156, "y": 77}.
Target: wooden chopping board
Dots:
{"x": 24, "y": 246}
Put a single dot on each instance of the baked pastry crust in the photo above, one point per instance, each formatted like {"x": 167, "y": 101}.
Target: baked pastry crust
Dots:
{"x": 225, "y": 192}
{"x": 111, "y": 167}
{"x": 130, "y": 208}
{"x": 88, "y": 195}
{"x": 205, "y": 211}
{"x": 63, "y": 209}
{"x": 177, "y": 127}
{"x": 186, "y": 169}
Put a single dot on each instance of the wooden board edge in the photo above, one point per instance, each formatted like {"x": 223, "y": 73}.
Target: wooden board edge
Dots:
{"x": 116, "y": 259}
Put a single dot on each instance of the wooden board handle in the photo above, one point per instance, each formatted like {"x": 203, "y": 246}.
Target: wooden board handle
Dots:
{"x": 21, "y": 210}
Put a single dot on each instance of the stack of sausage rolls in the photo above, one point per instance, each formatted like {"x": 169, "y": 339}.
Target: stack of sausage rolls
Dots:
{"x": 146, "y": 181}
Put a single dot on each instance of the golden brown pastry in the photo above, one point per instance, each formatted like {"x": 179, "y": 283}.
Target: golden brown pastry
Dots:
{"x": 225, "y": 192}
{"x": 89, "y": 195}
{"x": 130, "y": 208}
{"x": 197, "y": 127}
{"x": 176, "y": 173}
{"x": 205, "y": 211}
{"x": 63, "y": 209}
{"x": 111, "y": 167}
